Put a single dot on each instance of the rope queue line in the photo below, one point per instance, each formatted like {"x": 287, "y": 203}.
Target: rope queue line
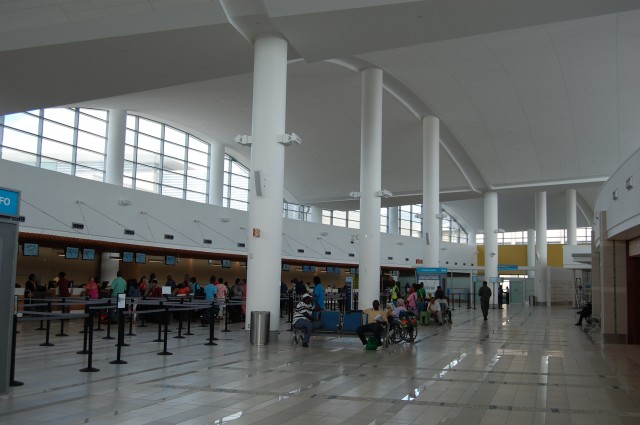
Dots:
{"x": 42, "y": 309}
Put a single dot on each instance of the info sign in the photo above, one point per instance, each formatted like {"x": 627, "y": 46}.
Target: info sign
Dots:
{"x": 9, "y": 202}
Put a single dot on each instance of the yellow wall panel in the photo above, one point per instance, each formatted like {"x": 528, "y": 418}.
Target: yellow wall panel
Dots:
{"x": 517, "y": 254}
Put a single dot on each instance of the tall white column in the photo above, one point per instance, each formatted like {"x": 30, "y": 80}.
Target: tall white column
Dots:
{"x": 216, "y": 173}
{"x": 267, "y": 162}
{"x": 394, "y": 222}
{"x": 531, "y": 251}
{"x": 370, "y": 183}
{"x": 431, "y": 191}
{"x": 490, "y": 236}
{"x": 116, "y": 132}
{"x": 541, "y": 247}
{"x": 315, "y": 214}
{"x": 108, "y": 267}
{"x": 572, "y": 217}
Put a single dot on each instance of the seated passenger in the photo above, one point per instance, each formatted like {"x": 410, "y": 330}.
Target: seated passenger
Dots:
{"x": 434, "y": 310}
{"x": 584, "y": 313}
{"x": 400, "y": 308}
{"x": 376, "y": 322}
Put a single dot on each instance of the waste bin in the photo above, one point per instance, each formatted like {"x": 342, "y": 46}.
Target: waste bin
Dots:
{"x": 259, "y": 328}
{"x": 532, "y": 300}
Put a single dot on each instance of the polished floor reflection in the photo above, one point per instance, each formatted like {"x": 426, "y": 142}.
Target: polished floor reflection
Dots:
{"x": 523, "y": 366}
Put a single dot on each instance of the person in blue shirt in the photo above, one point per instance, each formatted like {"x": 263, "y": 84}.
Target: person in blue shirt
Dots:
{"x": 318, "y": 293}
{"x": 210, "y": 292}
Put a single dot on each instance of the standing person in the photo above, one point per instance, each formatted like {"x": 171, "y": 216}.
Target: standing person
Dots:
{"x": 485, "y": 295}
{"x": 412, "y": 299}
{"x": 30, "y": 286}
{"x": 143, "y": 285}
{"x": 170, "y": 282}
{"x": 439, "y": 293}
{"x": 422, "y": 293}
{"x": 91, "y": 288}
{"x": 63, "y": 285}
{"x": 395, "y": 293}
{"x": 221, "y": 296}
{"x": 119, "y": 285}
{"x": 318, "y": 292}
{"x": 302, "y": 318}
{"x": 283, "y": 297}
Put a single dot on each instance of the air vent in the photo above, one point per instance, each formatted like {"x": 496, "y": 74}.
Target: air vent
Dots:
{"x": 389, "y": 258}
{"x": 241, "y": 244}
{"x": 352, "y": 255}
{"x": 327, "y": 253}
{"x": 129, "y": 232}
{"x": 169, "y": 237}
{"x": 301, "y": 251}
{"x": 207, "y": 241}
{"x": 406, "y": 259}
{"x": 77, "y": 225}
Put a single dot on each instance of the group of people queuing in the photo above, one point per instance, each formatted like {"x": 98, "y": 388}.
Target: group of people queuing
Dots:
{"x": 437, "y": 304}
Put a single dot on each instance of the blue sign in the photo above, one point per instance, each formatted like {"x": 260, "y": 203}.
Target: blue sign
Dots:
{"x": 433, "y": 270}
{"x": 9, "y": 202}
{"x": 507, "y": 267}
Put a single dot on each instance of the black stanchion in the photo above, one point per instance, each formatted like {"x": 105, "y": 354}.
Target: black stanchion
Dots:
{"x": 90, "y": 367}
{"x": 164, "y": 352}
{"x": 86, "y": 319}
{"x": 226, "y": 318}
{"x": 189, "y": 322}
{"x": 99, "y": 313}
{"x": 120, "y": 343}
{"x": 46, "y": 342}
{"x": 108, "y": 324}
{"x": 160, "y": 320}
{"x": 468, "y": 300}
{"x": 180, "y": 336}
{"x": 131, "y": 322}
{"x": 211, "y": 325}
{"x": 12, "y": 370}
{"x": 85, "y": 336}
{"x": 453, "y": 301}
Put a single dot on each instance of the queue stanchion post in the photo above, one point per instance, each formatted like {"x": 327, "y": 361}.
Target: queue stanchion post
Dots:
{"x": 98, "y": 328}
{"x": 86, "y": 333}
{"x": 108, "y": 336}
{"x": 189, "y": 322}
{"x": 164, "y": 352}
{"x": 180, "y": 336}
{"x": 453, "y": 301}
{"x": 90, "y": 367}
{"x": 86, "y": 311}
{"x": 211, "y": 325}
{"x": 46, "y": 342}
{"x": 132, "y": 309}
{"x": 62, "y": 319}
{"x": 41, "y": 327}
{"x": 290, "y": 302}
{"x": 161, "y": 319}
{"x": 12, "y": 369}
{"x": 226, "y": 317}
{"x": 120, "y": 306}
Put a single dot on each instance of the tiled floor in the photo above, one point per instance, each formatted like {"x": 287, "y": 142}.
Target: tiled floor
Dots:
{"x": 523, "y": 366}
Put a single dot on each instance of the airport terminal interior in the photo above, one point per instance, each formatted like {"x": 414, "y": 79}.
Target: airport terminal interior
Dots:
{"x": 360, "y": 144}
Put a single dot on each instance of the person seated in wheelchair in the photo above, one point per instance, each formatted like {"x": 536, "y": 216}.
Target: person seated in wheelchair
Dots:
{"x": 444, "y": 308}
{"x": 433, "y": 308}
{"x": 400, "y": 308}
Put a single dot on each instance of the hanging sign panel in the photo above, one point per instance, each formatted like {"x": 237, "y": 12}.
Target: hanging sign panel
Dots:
{"x": 9, "y": 202}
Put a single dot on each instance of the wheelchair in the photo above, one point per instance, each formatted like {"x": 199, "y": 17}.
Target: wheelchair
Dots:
{"x": 403, "y": 328}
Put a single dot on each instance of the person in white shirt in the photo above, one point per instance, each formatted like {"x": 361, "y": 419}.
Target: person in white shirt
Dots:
{"x": 434, "y": 309}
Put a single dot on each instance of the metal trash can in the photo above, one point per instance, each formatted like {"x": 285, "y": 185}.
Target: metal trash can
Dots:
{"x": 532, "y": 300}
{"x": 259, "y": 327}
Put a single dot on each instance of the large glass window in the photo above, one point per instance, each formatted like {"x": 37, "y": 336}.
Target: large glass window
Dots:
{"x": 162, "y": 159}
{"x": 67, "y": 140}
{"x": 235, "y": 191}
{"x": 339, "y": 218}
{"x": 295, "y": 211}
{"x": 410, "y": 220}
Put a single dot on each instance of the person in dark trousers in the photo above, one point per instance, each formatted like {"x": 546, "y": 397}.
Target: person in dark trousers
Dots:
{"x": 485, "y": 296}
{"x": 584, "y": 313}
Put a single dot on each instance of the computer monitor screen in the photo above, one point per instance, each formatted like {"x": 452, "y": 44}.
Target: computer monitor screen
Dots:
{"x": 88, "y": 254}
{"x": 71, "y": 253}
{"x": 127, "y": 257}
{"x": 30, "y": 249}
{"x": 170, "y": 260}
{"x": 141, "y": 258}
{"x": 306, "y": 269}
{"x": 226, "y": 264}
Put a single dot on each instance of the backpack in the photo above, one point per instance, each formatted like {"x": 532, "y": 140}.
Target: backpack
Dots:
{"x": 372, "y": 344}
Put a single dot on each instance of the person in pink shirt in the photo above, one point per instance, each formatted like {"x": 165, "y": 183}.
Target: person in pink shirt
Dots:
{"x": 91, "y": 288}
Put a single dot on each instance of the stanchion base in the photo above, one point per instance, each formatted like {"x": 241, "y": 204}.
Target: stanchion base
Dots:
{"x": 61, "y": 335}
{"x": 118, "y": 362}
{"x": 82, "y": 352}
{"x": 158, "y": 340}
{"x": 40, "y": 329}
{"x": 15, "y": 383}
{"x": 82, "y": 332}
{"x": 210, "y": 343}
{"x": 46, "y": 344}
{"x": 108, "y": 337}
{"x": 97, "y": 329}
{"x": 89, "y": 369}
{"x": 130, "y": 334}
{"x": 122, "y": 345}
{"x": 179, "y": 336}
{"x": 225, "y": 330}
{"x": 165, "y": 353}
{"x": 142, "y": 326}
{"x": 189, "y": 333}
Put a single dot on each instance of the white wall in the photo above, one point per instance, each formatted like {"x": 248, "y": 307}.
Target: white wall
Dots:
{"x": 561, "y": 285}
{"x": 51, "y": 201}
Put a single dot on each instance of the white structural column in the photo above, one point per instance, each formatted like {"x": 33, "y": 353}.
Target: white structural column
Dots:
{"x": 531, "y": 251}
{"x": 393, "y": 219}
{"x": 572, "y": 217}
{"x": 116, "y": 131}
{"x": 267, "y": 174}
{"x": 431, "y": 191}
{"x": 370, "y": 183}
{"x": 490, "y": 236}
{"x": 216, "y": 173}
{"x": 315, "y": 215}
{"x": 108, "y": 267}
{"x": 541, "y": 248}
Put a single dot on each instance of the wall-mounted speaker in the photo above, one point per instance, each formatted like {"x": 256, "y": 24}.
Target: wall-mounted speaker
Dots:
{"x": 257, "y": 179}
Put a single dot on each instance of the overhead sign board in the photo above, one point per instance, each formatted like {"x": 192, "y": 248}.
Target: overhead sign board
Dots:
{"x": 9, "y": 202}
{"x": 432, "y": 270}
{"x": 507, "y": 267}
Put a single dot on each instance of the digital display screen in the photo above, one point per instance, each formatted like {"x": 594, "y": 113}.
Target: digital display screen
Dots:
{"x": 30, "y": 249}
{"x": 285, "y": 267}
{"x": 71, "y": 253}
{"x": 88, "y": 254}
{"x": 226, "y": 264}
{"x": 127, "y": 257}
{"x": 170, "y": 260}
{"x": 141, "y": 258}
{"x": 306, "y": 269}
